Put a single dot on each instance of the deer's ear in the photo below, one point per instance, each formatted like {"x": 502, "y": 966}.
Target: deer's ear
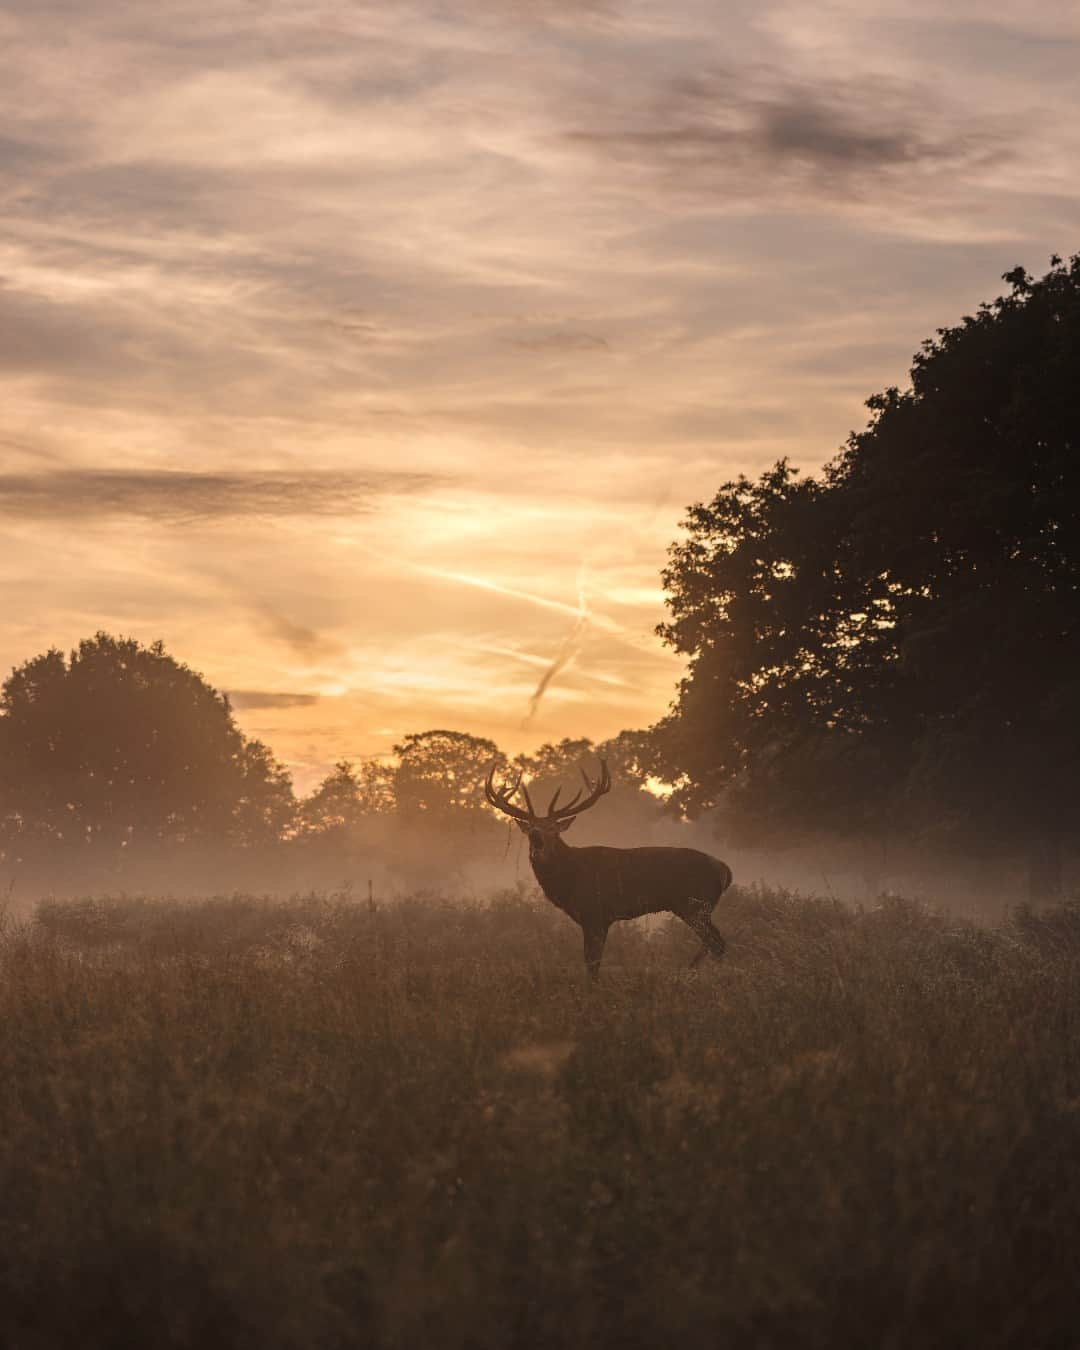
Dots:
{"x": 523, "y": 826}
{"x": 565, "y": 824}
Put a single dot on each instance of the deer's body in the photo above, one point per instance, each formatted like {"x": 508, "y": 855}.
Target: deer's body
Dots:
{"x": 603, "y": 885}
{"x": 597, "y": 886}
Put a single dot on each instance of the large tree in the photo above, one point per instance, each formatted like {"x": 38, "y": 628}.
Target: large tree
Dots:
{"x": 898, "y": 639}
{"x": 119, "y": 745}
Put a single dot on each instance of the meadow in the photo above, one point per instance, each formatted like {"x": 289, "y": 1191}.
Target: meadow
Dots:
{"x": 320, "y": 1123}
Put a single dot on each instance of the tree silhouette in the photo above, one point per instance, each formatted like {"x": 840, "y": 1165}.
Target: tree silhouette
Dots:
{"x": 440, "y": 776}
{"x": 265, "y": 809}
{"x": 121, "y": 745}
{"x": 348, "y": 796}
{"x": 628, "y": 810}
{"x": 897, "y": 640}
{"x": 559, "y": 760}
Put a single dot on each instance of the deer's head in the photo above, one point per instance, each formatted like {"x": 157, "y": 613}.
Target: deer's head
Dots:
{"x": 544, "y": 831}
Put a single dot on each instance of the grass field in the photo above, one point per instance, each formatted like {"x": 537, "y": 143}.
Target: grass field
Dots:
{"x": 310, "y": 1124}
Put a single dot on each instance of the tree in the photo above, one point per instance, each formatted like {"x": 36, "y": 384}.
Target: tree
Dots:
{"x": 896, "y": 640}
{"x": 777, "y": 642}
{"x": 628, "y": 811}
{"x": 440, "y": 777}
{"x": 348, "y": 796}
{"x": 120, "y": 745}
{"x": 631, "y": 757}
{"x": 559, "y": 760}
{"x": 265, "y": 809}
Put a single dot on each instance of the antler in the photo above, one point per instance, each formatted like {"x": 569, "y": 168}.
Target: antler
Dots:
{"x": 501, "y": 800}
{"x": 574, "y": 807}
{"x": 595, "y": 791}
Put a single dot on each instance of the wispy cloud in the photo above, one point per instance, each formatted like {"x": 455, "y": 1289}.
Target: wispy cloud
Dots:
{"x": 176, "y": 496}
{"x": 752, "y": 132}
{"x": 305, "y": 641}
{"x": 243, "y": 699}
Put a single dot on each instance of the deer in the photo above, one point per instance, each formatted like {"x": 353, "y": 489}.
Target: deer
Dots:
{"x": 597, "y": 886}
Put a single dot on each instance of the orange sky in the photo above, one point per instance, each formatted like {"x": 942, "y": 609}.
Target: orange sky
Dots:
{"x": 360, "y": 350}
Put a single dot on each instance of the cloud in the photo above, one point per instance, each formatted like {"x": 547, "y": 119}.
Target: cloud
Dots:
{"x": 177, "y": 496}
{"x": 755, "y": 132}
{"x": 306, "y": 642}
{"x": 265, "y": 698}
{"x": 802, "y": 126}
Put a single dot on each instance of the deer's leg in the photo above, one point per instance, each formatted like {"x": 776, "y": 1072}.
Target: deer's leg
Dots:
{"x": 595, "y": 937}
{"x": 699, "y": 920}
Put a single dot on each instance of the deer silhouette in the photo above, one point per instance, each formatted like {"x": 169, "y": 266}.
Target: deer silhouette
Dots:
{"x": 598, "y": 886}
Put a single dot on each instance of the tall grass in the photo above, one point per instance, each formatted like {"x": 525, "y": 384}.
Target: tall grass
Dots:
{"x": 312, "y": 1124}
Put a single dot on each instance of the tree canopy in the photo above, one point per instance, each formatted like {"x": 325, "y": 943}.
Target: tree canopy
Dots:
{"x": 897, "y": 638}
{"x": 440, "y": 775}
{"x": 351, "y": 794}
{"x": 119, "y": 744}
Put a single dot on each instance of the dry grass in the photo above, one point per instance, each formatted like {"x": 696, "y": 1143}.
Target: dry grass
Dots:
{"x": 242, "y": 1123}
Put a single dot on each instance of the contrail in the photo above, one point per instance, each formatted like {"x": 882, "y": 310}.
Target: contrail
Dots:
{"x": 600, "y": 621}
{"x": 542, "y": 662}
{"x": 483, "y": 584}
{"x": 571, "y": 645}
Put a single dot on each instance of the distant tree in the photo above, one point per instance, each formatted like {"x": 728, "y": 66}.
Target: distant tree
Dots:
{"x": 440, "y": 776}
{"x": 561, "y": 759}
{"x": 119, "y": 744}
{"x": 898, "y": 640}
{"x": 554, "y": 766}
{"x": 630, "y": 757}
{"x": 348, "y": 796}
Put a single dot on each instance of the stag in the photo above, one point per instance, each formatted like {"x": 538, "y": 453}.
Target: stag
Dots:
{"x": 598, "y": 886}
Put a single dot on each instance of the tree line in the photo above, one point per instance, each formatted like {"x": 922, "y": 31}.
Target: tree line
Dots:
{"x": 886, "y": 650}
{"x": 120, "y": 747}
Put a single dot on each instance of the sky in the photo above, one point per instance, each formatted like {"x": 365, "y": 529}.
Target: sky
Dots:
{"x": 370, "y": 354}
